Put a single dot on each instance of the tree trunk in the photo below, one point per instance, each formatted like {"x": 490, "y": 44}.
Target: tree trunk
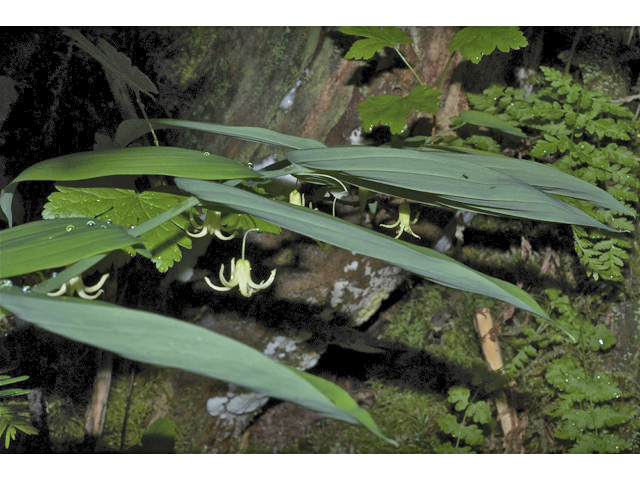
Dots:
{"x": 240, "y": 76}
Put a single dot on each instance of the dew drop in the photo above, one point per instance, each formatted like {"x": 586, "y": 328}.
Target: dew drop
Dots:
{"x": 54, "y": 274}
{"x": 69, "y": 228}
{"x": 91, "y": 223}
{"x": 108, "y": 222}
{"x": 600, "y": 342}
{"x": 103, "y": 226}
{"x": 26, "y": 289}
{"x": 6, "y": 283}
{"x": 250, "y": 165}
{"x": 132, "y": 226}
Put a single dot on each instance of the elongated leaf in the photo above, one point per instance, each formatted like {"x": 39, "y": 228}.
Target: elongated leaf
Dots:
{"x": 432, "y": 178}
{"x": 114, "y": 61}
{"x": 151, "y": 338}
{"x": 128, "y": 161}
{"x": 484, "y": 119}
{"x": 544, "y": 177}
{"x": 131, "y": 129}
{"x": 178, "y": 162}
{"x": 6, "y": 380}
{"x": 428, "y": 263}
{"x": 57, "y": 243}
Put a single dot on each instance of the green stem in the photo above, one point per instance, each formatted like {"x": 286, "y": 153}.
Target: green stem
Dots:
{"x": 144, "y": 114}
{"x": 446, "y": 67}
{"x": 244, "y": 239}
{"x": 410, "y": 67}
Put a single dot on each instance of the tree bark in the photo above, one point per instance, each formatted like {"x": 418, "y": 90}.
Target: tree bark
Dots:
{"x": 240, "y": 75}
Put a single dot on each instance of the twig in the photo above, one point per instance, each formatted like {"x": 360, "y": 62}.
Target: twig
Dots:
{"x": 487, "y": 334}
{"x": 123, "y": 434}
{"x": 628, "y": 99}
{"x": 572, "y": 51}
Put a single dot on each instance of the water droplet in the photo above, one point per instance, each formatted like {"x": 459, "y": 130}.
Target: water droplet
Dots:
{"x": 132, "y": 226}
{"x": 26, "y": 289}
{"x": 54, "y": 274}
{"x": 108, "y": 222}
{"x": 103, "y": 226}
{"x": 250, "y": 165}
{"x": 600, "y": 342}
{"x": 69, "y": 228}
{"x": 6, "y": 283}
{"x": 91, "y": 223}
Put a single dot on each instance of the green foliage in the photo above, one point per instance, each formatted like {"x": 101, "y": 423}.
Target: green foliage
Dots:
{"x": 160, "y": 437}
{"x": 14, "y": 415}
{"x": 594, "y": 337}
{"x": 153, "y": 223}
{"x": 377, "y": 39}
{"x": 393, "y": 110}
{"x": 577, "y": 130}
{"x": 127, "y": 208}
{"x": 113, "y": 60}
{"x": 474, "y": 42}
{"x": 471, "y": 434}
{"x": 583, "y": 420}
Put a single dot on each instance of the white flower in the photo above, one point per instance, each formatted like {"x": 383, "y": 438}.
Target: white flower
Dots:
{"x": 404, "y": 221}
{"x": 241, "y": 277}
{"x": 77, "y": 285}
{"x": 213, "y": 225}
{"x": 296, "y": 198}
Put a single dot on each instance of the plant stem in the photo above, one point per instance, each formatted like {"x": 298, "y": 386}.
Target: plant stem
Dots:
{"x": 144, "y": 114}
{"x": 410, "y": 67}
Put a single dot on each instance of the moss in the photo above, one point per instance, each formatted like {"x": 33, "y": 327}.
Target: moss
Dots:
{"x": 65, "y": 421}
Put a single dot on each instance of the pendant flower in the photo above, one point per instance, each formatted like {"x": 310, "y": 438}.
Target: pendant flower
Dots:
{"x": 241, "y": 276}
{"x": 213, "y": 225}
{"x": 77, "y": 285}
{"x": 404, "y": 221}
{"x": 296, "y": 198}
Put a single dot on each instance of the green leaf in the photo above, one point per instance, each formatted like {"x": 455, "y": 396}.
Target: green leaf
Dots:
{"x": 599, "y": 443}
{"x": 6, "y": 380}
{"x": 474, "y": 42}
{"x": 131, "y": 129}
{"x": 470, "y": 434}
{"x": 178, "y": 162}
{"x": 459, "y": 396}
{"x": 128, "y": 161}
{"x": 442, "y": 178}
{"x": 160, "y": 437}
{"x": 484, "y": 119}
{"x": 57, "y": 243}
{"x": 479, "y": 412}
{"x": 544, "y": 177}
{"x": 392, "y": 110}
{"x": 128, "y": 209}
{"x": 114, "y": 61}
{"x": 601, "y": 339}
{"x": 377, "y": 39}
{"x": 320, "y": 226}
{"x": 151, "y": 338}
